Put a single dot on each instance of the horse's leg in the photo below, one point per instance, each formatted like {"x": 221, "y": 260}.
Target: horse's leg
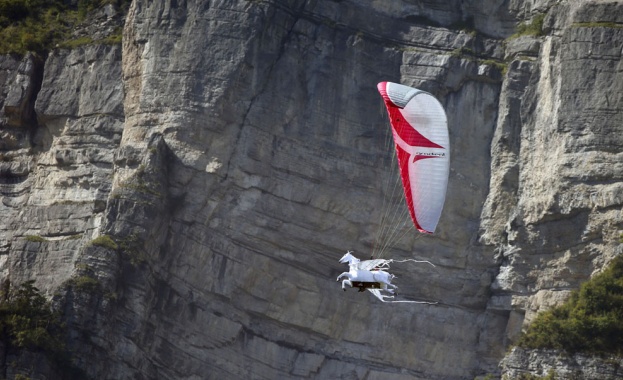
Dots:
{"x": 386, "y": 279}
{"x": 346, "y": 282}
{"x": 342, "y": 275}
{"x": 384, "y": 282}
{"x": 384, "y": 286}
{"x": 389, "y": 287}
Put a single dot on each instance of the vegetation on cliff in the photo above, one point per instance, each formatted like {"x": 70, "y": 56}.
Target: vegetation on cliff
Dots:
{"x": 590, "y": 321}
{"x": 533, "y": 27}
{"x": 27, "y": 321}
{"x": 105, "y": 241}
{"x": 39, "y": 25}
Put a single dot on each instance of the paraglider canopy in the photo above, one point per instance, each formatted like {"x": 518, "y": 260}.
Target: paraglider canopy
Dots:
{"x": 420, "y": 132}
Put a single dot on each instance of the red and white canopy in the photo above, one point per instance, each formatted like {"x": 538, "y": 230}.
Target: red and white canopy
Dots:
{"x": 420, "y": 131}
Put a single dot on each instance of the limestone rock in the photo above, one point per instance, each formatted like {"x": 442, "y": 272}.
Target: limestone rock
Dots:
{"x": 544, "y": 362}
{"x": 54, "y": 184}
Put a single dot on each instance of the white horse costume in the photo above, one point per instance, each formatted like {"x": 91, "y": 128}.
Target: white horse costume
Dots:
{"x": 370, "y": 275}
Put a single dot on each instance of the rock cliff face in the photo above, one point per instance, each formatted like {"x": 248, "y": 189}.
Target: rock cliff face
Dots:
{"x": 234, "y": 150}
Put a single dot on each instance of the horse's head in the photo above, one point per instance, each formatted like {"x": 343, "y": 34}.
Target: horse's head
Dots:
{"x": 348, "y": 258}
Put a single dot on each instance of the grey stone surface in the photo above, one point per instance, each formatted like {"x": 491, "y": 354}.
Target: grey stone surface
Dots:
{"x": 234, "y": 150}
{"x": 562, "y": 365}
{"x": 56, "y": 169}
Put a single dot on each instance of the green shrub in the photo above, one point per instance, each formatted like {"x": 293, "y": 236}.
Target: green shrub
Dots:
{"x": 86, "y": 284}
{"x": 532, "y": 28}
{"x": 142, "y": 186}
{"x": 597, "y": 24}
{"x": 111, "y": 296}
{"x": 141, "y": 183}
{"x": 132, "y": 247}
{"x": 591, "y": 320}
{"x": 105, "y": 241}
{"x": 76, "y": 42}
{"x": 114, "y": 38}
{"x": 35, "y": 238}
{"x": 551, "y": 375}
{"x": 27, "y": 321}
{"x": 29, "y": 25}
{"x": 39, "y": 25}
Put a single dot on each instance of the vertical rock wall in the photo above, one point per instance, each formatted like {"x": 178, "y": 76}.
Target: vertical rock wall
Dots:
{"x": 56, "y": 169}
{"x": 554, "y": 209}
{"x": 556, "y": 189}
{"x": 62, "y": 123}
{"x": 277, "y": 158}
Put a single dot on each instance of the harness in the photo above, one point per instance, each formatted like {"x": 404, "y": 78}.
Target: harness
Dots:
{"x": 362, "y": 286}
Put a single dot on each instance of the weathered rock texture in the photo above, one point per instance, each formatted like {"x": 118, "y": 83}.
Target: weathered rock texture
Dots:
{"x": 234, "y": 150}
{"x": 554, "y": 208}
{"x": 544, "y": 363}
